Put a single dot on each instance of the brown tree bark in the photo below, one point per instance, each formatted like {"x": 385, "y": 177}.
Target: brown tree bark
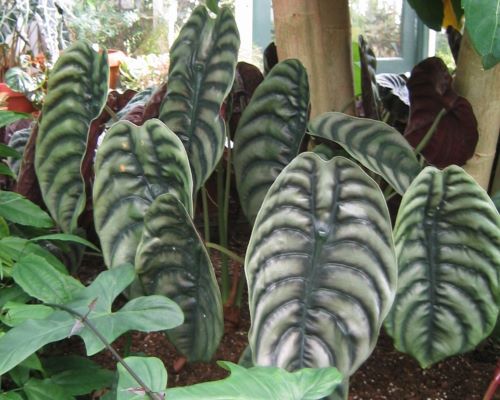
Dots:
{"x": 318, "y": 33}
{"x": 482, "y": 89}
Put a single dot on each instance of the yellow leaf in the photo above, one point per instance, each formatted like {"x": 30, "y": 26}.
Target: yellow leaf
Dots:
{"x": 449, "y": 17}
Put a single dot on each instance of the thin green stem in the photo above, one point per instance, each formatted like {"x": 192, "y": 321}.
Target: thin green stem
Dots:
{"x": 206, "y": 218}
{"x": 83, "y": 318}
{"x": 229, "y": 253}
{"x": 241, "y": 286}
{"x": 430, "y": 132}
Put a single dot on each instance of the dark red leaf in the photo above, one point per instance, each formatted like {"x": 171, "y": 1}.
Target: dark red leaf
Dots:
{"x": 369, "y": 92}
{"x": 247, "y": 78}
{"x": 152, "y": 108}
{"x": 456, "y": 135}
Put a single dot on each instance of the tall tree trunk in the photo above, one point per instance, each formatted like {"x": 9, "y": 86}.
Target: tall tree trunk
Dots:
{"x": 482, "y": 89}
{"x": 318, "y": 33}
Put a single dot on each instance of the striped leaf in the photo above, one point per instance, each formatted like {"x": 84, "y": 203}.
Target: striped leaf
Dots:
{"x": 172, "y": 261}
{"x": 202, "y": 67}
{"x": 18, "y": 142}
{"x": 270, "y": 132}
{"x": 76, "y": 94}
{"x": 447, "y": 237}
{"x": 374, "y": 144}
{"x": 133, "y": 166}
{"x": 320, "y": 266}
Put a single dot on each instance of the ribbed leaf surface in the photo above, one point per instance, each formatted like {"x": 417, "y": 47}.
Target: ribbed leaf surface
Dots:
{"x": 133, "y": 166}
{"x": 172, "y": 261}
{"x": 202, "y": 67}
{"x": 374, "y": 144}
{"x": 320, "y": 266}
{"x": 270, "y": 132}
{"x": 447, "y": 238}
{"x": 77, "y": 91}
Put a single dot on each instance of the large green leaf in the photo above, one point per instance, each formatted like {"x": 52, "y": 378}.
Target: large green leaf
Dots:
{"x": 37, "y": 389}
{"x": 77, "y": 91}
{"x": 482, "y": 22}
{"x": 374, "y": 144}
{"x": 447, "y": 238}
{"x": 270, "y": 132}
{"x": 17, "y": 209}
{"x": 172, "y": 261}
{"x": 263, "y": 383}
{"x": 431, "y": 12}
{"x": 320, "y": 266}
{"x": 151, "y": 313}
{"x": 152, "y": 372}
{"x": 202, "y": 67}
{"x": 133, "y": 166}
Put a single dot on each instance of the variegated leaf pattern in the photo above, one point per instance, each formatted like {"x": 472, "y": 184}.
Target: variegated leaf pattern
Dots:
{"x": 374, "y": 144}
{"x": 172, "y": 261}
{"x": 18, "y": 142}
{"x": 270, "y": 132}
{"x": 202, "y": 67}
{"x": 320, "y": 266}
{"x": 133, "y": 166}
{"x": 77, "y": 91}
{"x": 447, "y": 237}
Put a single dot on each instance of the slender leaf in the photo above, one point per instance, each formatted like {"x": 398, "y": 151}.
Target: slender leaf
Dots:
{"x": 40, "y": 279}
{"x": 172, "y": 261}
{"x": 17, "y": 209}
{"x": 66, "y": 237}
{"x": 263, "y": 383}
{"x": 270, "y": 132}
{"x": 202, "y": 65}
{"x": 482, "y": 21}
{"x": 77, "y": 91}
{"x": 8, "y": 117}
{"x": 5, "y": 170}
{"x": 7, "y": 151}
{"x": 151, "y": 370}
{"x": 320, "y": 266}
{"x": 374, "y": 144}
{"x": 133, "y": 166}
{"x": 447, "y": 238}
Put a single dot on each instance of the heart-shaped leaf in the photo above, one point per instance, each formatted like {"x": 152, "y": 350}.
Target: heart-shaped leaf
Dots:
{"x": 133, "y": 166}
{"x": 172, "y": 261}
{"x": 482, "y": 19}
{"x": 320, "y": 266}
{"x": 202, "y": 64}
{"x": 374, "y": 144}
{"x": 270, "y": 132}
{"x": 77, "y": 91}
{"x": 447, "y": 238}
{"x": 456, "y": 134}
{"x": 151, "y": 313}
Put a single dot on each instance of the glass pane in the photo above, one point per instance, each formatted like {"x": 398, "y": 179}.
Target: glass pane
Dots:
{"x": 379, "y": 21}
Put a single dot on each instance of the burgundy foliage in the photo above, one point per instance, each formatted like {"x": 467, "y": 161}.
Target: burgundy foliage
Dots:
{"x": 456, "y": 135}
{"x": 246, "y": 80}
{"x": 152, "y": 107}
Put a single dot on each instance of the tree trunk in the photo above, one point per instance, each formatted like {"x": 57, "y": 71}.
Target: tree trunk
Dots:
{"x": 482, "y": 89}
{"x": 318, "y": 33}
